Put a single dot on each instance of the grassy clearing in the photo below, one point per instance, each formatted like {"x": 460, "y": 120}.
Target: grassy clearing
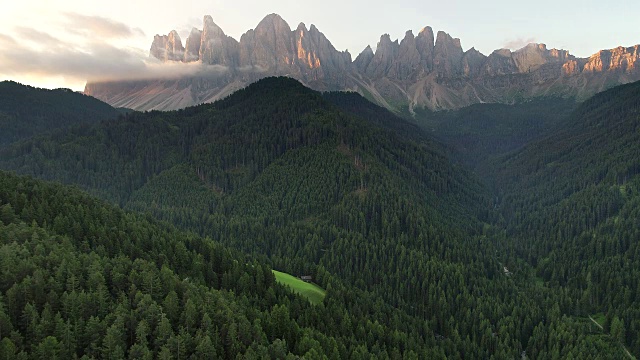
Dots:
{"x": 313, "y": 292}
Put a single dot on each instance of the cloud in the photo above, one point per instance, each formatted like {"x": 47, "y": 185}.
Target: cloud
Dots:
{"x": 6, "y": 40}
{"x": 90, "y": 56}
{"x": 33, "y": 54}
{"x": 518, "y": 43}
{"x": 252, "y": 69}
{"x": 98, "y": 26}
{"x": 96, "y": 62}
{"x": 36, "y": 36}
{"x": 185, "y": 29}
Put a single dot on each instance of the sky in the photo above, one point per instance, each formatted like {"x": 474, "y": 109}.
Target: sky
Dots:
{"x": 51, "y": 44}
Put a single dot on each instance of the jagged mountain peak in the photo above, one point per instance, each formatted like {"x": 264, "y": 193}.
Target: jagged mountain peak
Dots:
{"x": 216, "y": 48}
{"x": 192, "y": 45}
{"x": 502, "y": 52}
{"x": 447, "y": 56}
{"x": 426, "y": 31}
{"x": 210, "y": 26}
{"x": 167, "y": 47}
{"x": 446, "y": 39}
{"x": 273, "y": 21}
{"x": 363, "y": 59}
{"x": 534, "y": 55}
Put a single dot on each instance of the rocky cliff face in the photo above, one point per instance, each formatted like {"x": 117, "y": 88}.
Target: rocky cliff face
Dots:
{"x": 216, "y": 48}
{"x": 270, "y": 46}
{"x": 472, "y": 61}
{"x": 420, "y": 71}
{"x": 167, "y": 47}
{"x": 363, "y": 60}
{"x": 447, "y": 56}
{"x": 619, "y": 59}
{"x": 192, "y": 46}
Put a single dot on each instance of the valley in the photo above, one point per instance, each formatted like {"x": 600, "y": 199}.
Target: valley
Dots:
{"x": 143, "y": 222}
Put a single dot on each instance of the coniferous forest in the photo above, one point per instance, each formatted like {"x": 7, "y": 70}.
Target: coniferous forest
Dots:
{"x": 494, "y": 231}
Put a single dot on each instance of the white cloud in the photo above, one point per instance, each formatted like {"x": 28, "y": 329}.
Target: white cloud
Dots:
{"x": 94, "y": 53}
{"x": 518, "y": 43}
{"x": 97, "y": 26}
{"x": 36, "y": 37}
{"x": 94, "y": 62}
{"x": 6, "y": 40}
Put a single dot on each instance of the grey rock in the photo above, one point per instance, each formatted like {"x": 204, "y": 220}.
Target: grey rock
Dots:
{"x": 406, "y": 65}
{"x": 363, "y": 59}
{"x": 216, "y": 48}
{"x": 192, "y": 46}
{"x": 167, "y": 47}
{"x": 447, "y": 56}
{"x": 384, "y": 57}
{"x": 425, "y": 47}
{"x": 270, "y": 47}
{"x": 500, "y": 62}
{"x": 472, "y": 62}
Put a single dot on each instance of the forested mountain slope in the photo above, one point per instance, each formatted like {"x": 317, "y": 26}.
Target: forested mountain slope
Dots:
{"x": 82, "y": 278}
{"x": 330, "y": 187}
{"x": 481, "y": 132}
{"x": 571, "y": 203}
{"x": 26, "y": 111}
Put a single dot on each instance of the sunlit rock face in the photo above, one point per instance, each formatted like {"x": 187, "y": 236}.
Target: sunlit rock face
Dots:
{"x": 270, "y": 46}
{"x": 618, "y": 59}
{"x": 533, "y": 56}
{"x": 418, "y": 71}
{"x": 316, "y": 56}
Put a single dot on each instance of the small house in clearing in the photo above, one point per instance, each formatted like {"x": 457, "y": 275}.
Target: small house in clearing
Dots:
{"x": 306, "y": 278}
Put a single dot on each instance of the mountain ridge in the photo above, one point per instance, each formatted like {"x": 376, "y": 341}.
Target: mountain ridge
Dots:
{"x": 423, "y": 71}
{"x": 26, "y": 111}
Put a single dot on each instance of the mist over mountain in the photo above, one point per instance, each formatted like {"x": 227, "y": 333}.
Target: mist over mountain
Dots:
{"x": 429, "y": 71}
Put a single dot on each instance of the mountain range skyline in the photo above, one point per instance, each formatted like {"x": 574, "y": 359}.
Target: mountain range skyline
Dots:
{"x": 429, "y": 70}
{"x": 64, "y": 44}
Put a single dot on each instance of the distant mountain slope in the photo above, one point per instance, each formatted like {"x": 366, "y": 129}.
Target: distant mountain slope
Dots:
{"x": 26, "y": 111}
{"x": 481, "y": 132}
{"x": 427, "y": 71}
{"x": 571, "y": 204}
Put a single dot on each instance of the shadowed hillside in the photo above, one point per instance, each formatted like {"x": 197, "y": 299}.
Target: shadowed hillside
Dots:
{"x": 26, "y": 111}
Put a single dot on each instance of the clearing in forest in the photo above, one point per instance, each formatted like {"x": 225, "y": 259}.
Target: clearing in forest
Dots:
{"x": 311, "y": 291}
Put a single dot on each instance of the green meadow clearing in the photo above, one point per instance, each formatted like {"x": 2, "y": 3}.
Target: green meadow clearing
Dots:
{"x": 313, "y": 292}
